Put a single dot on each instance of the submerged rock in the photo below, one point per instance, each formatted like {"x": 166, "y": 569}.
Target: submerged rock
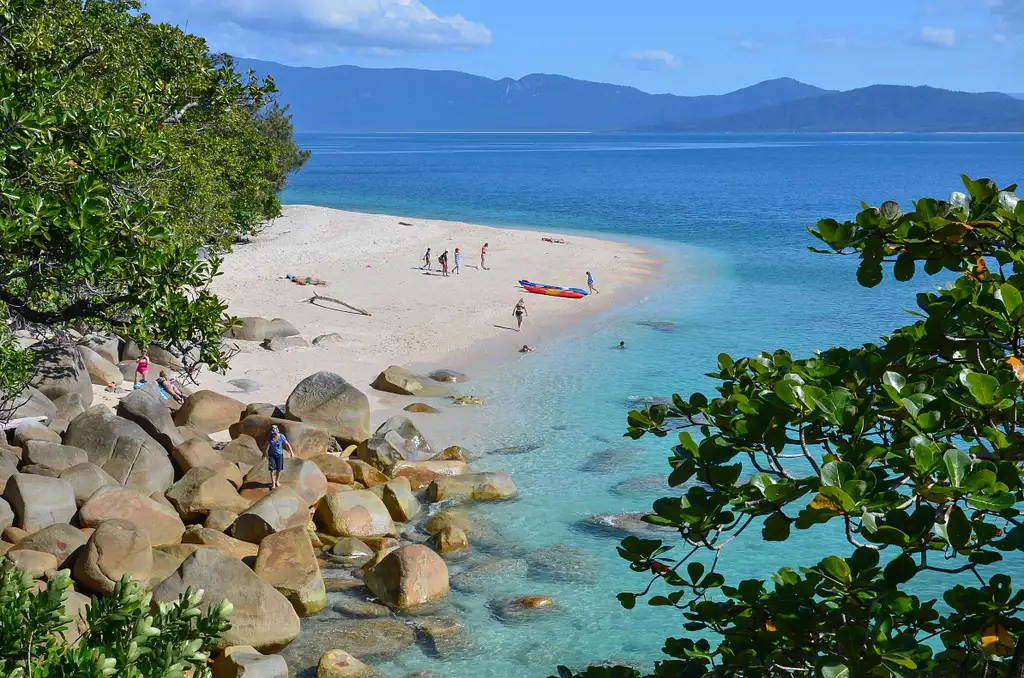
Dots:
{"x": 560, "y": 562}
{"x": 468, "y": 400}
{"x": 449, "y": 376}
{"x": 517, "y": 609}
{"x": 620, "y": 525}
{"x": 496, "y": 574}
{"x": 658, "y": 325}
{"x": 517, "y": 449}
{"x": 608, "y": 461}
{"x": 421, "y": 408}
{"x": 644, "y": 486}
{"x": 444, "y": 636}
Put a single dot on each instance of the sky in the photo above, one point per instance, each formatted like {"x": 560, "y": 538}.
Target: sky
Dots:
{"x": 675, "y": 46}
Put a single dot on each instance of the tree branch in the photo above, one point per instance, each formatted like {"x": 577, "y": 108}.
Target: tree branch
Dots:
{"x": 77, "y": 61}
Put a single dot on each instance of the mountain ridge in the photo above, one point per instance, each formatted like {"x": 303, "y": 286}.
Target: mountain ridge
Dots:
{"x": 355, "y": 99}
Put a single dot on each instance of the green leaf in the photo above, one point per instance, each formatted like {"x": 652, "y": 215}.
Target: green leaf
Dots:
{"x": 627, "y": 600}
{"x": 904, "y": 268}
{"x": 958, "y": 527}
{"x": 1010, "y": 296}
{"x": 982, "y": 386}
{"x": 958, "y": 464}
{"x": 835, "y": 473}
{"x": 900, "y": 570}
{"x": 999, "y": 501}
{"x": 776, "y": 528}
{"x": 695, "y": 571}
{"x": 836, "y": 568}
{"x": 835, "y": 671}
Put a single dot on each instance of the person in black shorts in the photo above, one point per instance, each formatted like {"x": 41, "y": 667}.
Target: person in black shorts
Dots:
{"x": 273, "y": 450}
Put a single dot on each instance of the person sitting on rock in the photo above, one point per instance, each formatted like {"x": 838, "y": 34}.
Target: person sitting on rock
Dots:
{"x": 273, "y": 450}
{"x": 170, "y": 386}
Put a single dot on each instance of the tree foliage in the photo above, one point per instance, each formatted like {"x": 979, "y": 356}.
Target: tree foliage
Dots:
{"x": 909, "y": 450}
{"x": 124, "y": 147}
{"x": 127, "y": 636}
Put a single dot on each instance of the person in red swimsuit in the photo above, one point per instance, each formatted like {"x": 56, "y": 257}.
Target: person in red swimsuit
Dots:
{"x": 142, "y": 368}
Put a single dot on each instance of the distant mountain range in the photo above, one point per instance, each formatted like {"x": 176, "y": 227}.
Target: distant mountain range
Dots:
{"x": 354, "y": 99}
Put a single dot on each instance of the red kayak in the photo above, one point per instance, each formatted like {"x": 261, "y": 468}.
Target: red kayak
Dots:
{"x": 568, "y": 294}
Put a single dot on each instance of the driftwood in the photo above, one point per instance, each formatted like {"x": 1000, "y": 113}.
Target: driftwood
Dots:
{"x": 319, "y": 297}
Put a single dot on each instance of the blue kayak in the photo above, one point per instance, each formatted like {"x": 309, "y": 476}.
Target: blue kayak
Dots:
{"x": 527, "y": 283}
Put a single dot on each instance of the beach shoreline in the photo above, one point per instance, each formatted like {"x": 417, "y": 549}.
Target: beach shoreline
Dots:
{"x": 418, "y": 320}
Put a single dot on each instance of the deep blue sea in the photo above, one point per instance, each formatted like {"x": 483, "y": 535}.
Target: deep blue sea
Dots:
{"x": 730, "y": 213}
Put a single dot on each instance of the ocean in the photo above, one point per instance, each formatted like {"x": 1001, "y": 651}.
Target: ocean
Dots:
{"x": 730, "y": 214}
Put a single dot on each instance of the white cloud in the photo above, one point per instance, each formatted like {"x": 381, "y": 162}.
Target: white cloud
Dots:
{"x": 935, "y": 36}
{"x": 748, "y": 45}
{"x": 652, "y": 60}
{"x": 316, "y": 27}
{"x": 1010, "y": 14}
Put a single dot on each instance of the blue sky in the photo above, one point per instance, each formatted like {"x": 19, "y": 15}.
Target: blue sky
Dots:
{"x": 676, "y": 46}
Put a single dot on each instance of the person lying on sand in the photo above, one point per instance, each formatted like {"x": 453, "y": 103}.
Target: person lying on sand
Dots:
{"x": 306, "y": 280}
{"x": 527, "y": 349}
{"x": 557, "y": 241}
{"x": 169, "y": 385}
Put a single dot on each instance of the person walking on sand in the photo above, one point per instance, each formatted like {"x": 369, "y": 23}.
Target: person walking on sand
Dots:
{"x": 590, "y": 283}
{"x": 519, "y": 311}
{"x": 443, "y": 260}
{"x": 458, "y": 260}
{"x": 273, "y": 450}
{"x": 426, "y": 260}
{"x": 483, "y": 257}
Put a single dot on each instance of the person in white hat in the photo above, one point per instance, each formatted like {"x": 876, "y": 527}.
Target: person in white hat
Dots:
{"x": 273, "y": 450}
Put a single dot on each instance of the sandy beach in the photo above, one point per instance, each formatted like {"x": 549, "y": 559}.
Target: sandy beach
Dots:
{"x": 418, "y": 318}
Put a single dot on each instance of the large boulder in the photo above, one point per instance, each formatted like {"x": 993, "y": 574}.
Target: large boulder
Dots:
{"x": 102, "y": 372}
{"x": 395, "y": 440}
{"x": 28, "y": 431}
{"x": 38, "y": 501}
{"x": 68, "y": 407}
{"x": 262, "y": 618}
{"x": 203, "y": 490}
{"x": 116, "y": 548}
{"x": 32, "y": 403}
{"x": 325, "y": 399}
{"x": 114, "y": 503}
{"x": 403, "y": 382}
{"x": 307, "y": 440}
{"x": 108, "y": 348}
{"x": 59, "y": 369}
{"x": 334, "y": 468}
{"x": 242, "y": 450}
{"x": 53, "y": 455}
{"x": 157, "y": 354}
{"x": 368, "y": 475}
{"x": 85, "y": 479}
{"x": 422, "y": 473}
{"x": 229, "y": 546}
{"x": 398, "y": 497}
{"x": 61, "y": 541}
{"x": 472, "y": 486}
{"x": 243, "y": 661}
{"x": 277, "y": 344}
{"x": 192, "y": 454}
{"x": 6, "y": 515}
{"x": 252, "y": 328}
{"x": 209, "y": 412}
{"x": 34, "y": 563}
{"x": 287, "y": 562}
{"x": 409, "y": 577}
{"x": 302, "y": 475}
{"x": 122, "y": 449}
{"x": 280, "y": 510}
{"x": 146, "y": 408}
{"x": 340, "y": 664}
{"x": 168, "y": 558}
{"x": 359, "y": 513}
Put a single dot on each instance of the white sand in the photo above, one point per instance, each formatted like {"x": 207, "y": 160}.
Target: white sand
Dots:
{"x": 372, "y": 262}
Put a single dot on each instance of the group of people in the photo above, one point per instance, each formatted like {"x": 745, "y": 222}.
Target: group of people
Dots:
{"x": 166, "y": 382}
{"x": 443, "y": 260}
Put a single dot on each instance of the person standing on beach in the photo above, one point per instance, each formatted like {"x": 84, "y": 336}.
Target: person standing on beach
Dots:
{"x": 519, "y": 311}
{"x": 426, "y": 260}
{"x": 443, "y": 260}
{"x": 483, "y": 257}
{"x": 142, "y": 368}
{"x": 590, "y": 283}
{"x": 273, "y": 450}
{"x": 458, "y": 260}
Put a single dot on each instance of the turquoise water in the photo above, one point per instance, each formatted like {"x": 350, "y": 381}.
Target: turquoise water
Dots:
{"x": 730, "y": 214}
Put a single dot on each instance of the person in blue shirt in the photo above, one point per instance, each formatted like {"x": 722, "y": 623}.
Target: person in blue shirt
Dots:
{"x": 273, "y": 450}
{"x": 590, "y": 283}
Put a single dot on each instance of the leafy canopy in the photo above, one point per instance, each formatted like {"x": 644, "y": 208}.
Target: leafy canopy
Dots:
{"x": 910, "y": 450}
{"x": 124, "y": 147}
{"x": 126, "y": 636}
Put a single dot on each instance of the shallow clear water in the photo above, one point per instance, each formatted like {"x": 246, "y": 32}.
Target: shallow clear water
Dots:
{"x": 730, "y": 213}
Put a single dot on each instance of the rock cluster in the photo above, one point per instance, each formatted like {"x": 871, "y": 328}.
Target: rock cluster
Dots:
{"x": 143, "y": 492}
